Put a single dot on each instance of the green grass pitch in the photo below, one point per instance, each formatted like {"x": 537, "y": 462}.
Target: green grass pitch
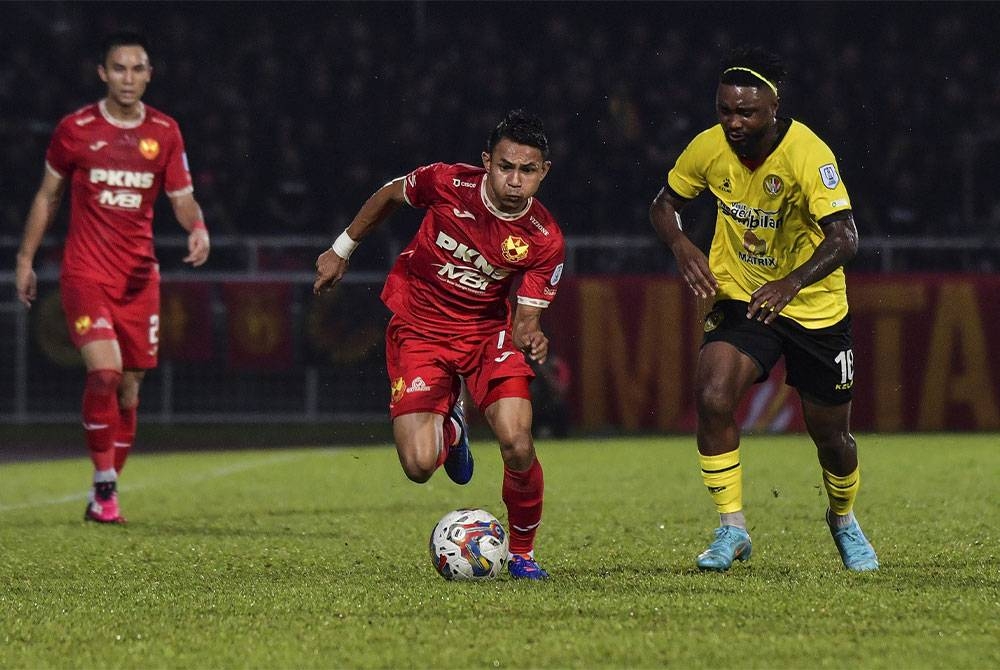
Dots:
{"x": 317, "y": 558}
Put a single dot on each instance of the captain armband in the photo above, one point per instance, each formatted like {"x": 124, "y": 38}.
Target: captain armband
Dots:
{"x": 344, "y": 246}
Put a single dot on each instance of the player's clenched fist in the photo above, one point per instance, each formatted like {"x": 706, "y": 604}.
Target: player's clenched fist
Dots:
{"x": 329, "y": 269}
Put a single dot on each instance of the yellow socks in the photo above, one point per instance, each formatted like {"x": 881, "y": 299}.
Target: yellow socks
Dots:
{"x": 842, "y": 491}
{"x": 723, "y": 476}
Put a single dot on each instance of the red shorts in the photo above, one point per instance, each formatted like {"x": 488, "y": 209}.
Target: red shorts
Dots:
{"x": 424, "y": 371}
{"x": 94, "y": 312}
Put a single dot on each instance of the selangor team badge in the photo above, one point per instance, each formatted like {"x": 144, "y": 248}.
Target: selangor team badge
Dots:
{"x": 149, "y": 148}
{"x": 396, "y": 388}
{"x": 514, "y": 249}
{"x": 82, "y": 324}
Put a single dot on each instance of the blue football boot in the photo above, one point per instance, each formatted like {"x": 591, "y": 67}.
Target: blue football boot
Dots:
{"x": 459, "y": 463}
{"x": 731, "y": 543}
{"x": 855, "y": 550}
{"x": 523, "y": 566}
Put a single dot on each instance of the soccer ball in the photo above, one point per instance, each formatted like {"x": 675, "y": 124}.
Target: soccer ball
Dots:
{"x": 469, "y": 544}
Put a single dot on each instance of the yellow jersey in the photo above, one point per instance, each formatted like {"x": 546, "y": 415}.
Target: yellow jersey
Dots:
{"x": 767, "y": 217}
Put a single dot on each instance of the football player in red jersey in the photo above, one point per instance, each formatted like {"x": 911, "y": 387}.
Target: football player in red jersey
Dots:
{"x": 116, "y": 155}
{"x": 449, "y": 293}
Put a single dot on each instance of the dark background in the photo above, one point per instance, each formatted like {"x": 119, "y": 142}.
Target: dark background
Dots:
{"x": 294, "y": 112}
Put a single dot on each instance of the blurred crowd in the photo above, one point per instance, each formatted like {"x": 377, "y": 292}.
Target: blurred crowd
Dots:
{"x": 293, "y": 113}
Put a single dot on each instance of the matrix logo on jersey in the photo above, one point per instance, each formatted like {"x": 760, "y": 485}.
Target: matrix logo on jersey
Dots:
{"x": 751, "y": 217}
{"x": 121, "y": 179}
{"x": 477, "y": 274}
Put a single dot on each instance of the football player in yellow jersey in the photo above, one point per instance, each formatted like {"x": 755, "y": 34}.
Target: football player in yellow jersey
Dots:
{"x": 783, "y": 232}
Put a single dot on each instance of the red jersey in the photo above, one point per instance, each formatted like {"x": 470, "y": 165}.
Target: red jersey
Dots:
{"x": 456, "y": 274}
{"x": 117, "y": 169}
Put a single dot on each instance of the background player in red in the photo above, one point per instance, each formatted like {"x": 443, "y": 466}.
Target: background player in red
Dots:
{"x": 449, "y": 293}
{"x": 116, "y": 155}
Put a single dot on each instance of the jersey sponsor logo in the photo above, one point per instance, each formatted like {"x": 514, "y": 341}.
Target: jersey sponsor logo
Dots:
{"x": 828, "y": 173}
{"x": 459, "y": 183}
{"x": 773, "y": 184}
{"x": 556, "y": 275}
{"x": 840, "y": 202}
{"x": 754, "y": 244}
{"x": 396, "y": 389}
{"x": 120, "y": 199}
{"x": 122, "y": 178}
{"x": 84, "y": 120}
{"x": 751, "y": 217}
{"x": 418, "y": 385}
{"x": 475, "y": 276}
{"x": 504, "y": 356}
{"x": 514, "y": 249}
{"x": 149, "y": 148}
{"x": 538, "y": 224}
{"x": 762, "y": 261}
{"x": 98, "y": 145}
{"x": 463, "y": 213}
{"x": 726, "y": 186}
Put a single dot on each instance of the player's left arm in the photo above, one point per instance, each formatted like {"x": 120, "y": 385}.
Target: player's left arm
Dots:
{"x": 528, "y": 335}
{"x": 188, "y": 213}
{"x": 839, "y": 246}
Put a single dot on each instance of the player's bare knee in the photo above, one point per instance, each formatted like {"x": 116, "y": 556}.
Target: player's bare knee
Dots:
{"x": 715, "y": 401}
{"x": 417, "y": 469}
{"x": 519, "y": 453}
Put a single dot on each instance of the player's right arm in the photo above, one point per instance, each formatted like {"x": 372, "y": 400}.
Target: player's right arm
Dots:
{"x": 692, "y": 263}
{"x": 40, "y": 216}
{"x": 332, "y": 263}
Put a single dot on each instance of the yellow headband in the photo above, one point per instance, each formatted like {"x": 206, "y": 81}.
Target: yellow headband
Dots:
{"x": 756, "y": 74}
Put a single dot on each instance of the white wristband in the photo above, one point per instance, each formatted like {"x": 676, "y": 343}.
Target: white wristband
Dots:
{"x": 344, "y": 246}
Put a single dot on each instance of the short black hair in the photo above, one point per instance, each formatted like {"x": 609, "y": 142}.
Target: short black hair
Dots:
{"x": 755, "y": 58}
{"x": 521, "y": 127}
{"x": 124, "y": 38}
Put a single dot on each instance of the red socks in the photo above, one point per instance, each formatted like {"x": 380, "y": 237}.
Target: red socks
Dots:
{"x": 522, "y": 493}
{"x": 100, "y": 416}
{"x": 450, "y": 434}
{"x": 125, "y": 435}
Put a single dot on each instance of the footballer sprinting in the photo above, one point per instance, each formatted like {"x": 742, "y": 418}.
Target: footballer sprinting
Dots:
{"x": 452, "y": 332}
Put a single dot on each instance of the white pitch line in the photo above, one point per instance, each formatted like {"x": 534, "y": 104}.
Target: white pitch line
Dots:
{"x": 201, "y": 477}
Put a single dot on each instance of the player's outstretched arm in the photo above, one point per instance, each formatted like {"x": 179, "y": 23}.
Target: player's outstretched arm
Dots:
{"x": 528, "y": 335}
{"x": 692, "y": 263}
{"x": 332, "y": 263}
{"x": 188, "y": 214}
{"x": 43, "y": 211}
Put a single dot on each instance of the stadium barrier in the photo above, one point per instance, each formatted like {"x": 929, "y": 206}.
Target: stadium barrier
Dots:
{"x": 250, "y": 343}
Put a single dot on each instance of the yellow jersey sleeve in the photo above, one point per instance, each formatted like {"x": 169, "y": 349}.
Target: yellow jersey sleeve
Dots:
{"x": 689, "y": 176}
{"x": 819, "y": 177}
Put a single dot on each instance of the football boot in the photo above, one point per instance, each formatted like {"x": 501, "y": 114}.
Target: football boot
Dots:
{"x": 731, "y": 543}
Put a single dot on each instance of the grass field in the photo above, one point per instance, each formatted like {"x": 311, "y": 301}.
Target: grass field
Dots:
{"x": 317, "y": 558}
